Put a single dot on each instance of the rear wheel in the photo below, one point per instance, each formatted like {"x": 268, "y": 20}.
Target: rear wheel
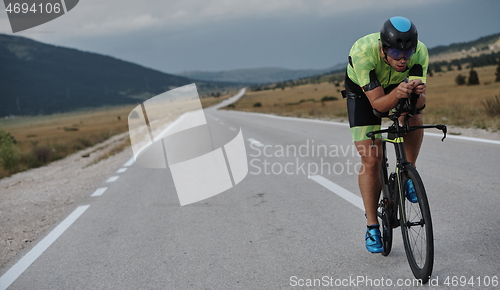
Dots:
{"x": 386, "y": 227}
{"x": 416, "y": 227}
{"x": 385, "y": 206}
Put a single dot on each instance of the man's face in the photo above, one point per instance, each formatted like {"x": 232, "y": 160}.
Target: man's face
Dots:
{"x": 398, "y": 65}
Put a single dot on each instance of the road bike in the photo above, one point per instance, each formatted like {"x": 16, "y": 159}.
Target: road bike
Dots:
{"x": 394, "y": 208}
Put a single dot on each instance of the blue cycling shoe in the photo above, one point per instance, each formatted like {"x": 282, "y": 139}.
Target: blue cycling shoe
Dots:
{"x": 411, "y": 194}
{"x": 373, "y": 239}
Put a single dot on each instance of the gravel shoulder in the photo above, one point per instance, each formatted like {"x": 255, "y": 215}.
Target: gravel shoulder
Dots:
{"x": 33, "y": 201}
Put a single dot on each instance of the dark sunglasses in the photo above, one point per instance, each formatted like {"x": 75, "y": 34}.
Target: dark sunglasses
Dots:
{"x": 397, "y": 54}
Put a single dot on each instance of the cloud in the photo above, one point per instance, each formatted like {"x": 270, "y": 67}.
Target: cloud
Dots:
{"x": 108, "y": 18}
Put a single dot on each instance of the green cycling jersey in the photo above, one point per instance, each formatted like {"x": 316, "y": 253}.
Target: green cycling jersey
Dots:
{"x": 368, "y": 70}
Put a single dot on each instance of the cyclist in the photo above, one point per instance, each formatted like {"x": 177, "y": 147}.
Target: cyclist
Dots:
{"x": 379, "y": 64}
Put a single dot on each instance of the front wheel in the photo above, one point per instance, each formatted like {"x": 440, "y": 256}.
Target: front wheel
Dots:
{"x": 416, "y": 227}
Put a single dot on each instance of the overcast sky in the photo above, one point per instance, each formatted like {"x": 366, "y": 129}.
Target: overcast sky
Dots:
{"x": 212, "y": 35}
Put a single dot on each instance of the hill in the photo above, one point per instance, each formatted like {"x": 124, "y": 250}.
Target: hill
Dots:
{"x": 259, "y": 75}
{"x": 483, "y": 44}
{"x": 37, "y": 78}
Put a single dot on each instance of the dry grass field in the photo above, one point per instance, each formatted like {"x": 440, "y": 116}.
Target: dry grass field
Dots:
{"x": 300, "y": 101}
{"x": 447, "y": 102}
{"x": 210, "y": 101}
{"x": 463, "y": 105}
{"x": 42, "y": 139}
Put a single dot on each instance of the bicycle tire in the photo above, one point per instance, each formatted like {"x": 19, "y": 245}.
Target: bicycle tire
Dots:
{"x": 385, "y": 206}
{"x": 416, "y": 227}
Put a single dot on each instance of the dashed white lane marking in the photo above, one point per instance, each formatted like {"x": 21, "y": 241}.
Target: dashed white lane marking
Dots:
{"x": 112, "y": 179}
{"x": 121, "y": 170}
{"x": 10, "y": 276}
{"x": 338, "y": 190}
{"x": 99, "y": 191}
{"x": 255, "y": 142}
{"x": 129, "y": 162}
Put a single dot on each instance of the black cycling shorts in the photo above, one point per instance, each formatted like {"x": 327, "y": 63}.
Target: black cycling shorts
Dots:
{"x": 360, "y": 111}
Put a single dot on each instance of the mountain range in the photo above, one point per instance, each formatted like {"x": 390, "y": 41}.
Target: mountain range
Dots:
{"x": 38, "y": 78}
{"x": 260, "y": 75}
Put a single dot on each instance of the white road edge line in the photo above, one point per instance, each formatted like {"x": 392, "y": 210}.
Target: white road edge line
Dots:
{"x": 10, "y": 276}
{"x": 340, "y": 191}
{"x": 99, "y": 191}
{"x": 121, "y": 170}
{"x": 344, "y": 124}
{"x": 473, "y": 139}
{"x": 463, "y": 138}
{"x": 112, "y": 179}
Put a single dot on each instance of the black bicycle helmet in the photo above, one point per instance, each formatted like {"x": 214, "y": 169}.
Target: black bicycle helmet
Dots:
{"x": 400, "y": 33}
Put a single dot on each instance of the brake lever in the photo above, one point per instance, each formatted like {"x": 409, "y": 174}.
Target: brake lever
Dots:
{"x": 444, "y": 129}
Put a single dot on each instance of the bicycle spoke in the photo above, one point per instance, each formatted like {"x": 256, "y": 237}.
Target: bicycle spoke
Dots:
{"x": 414, "y": 235}
{"x": 417, "y": 237}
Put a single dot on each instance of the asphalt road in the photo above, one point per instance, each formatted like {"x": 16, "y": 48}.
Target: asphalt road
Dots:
{"x": 278, "y": 228}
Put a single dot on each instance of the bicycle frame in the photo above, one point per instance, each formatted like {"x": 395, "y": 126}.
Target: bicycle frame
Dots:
{"x": 395, "y": 136}
{"x": 393, "y": 199}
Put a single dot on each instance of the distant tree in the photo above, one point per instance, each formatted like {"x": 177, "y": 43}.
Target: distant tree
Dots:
{"x": 459, "y": 66}
{"x": 460, "y": 80}
{"x": 450, "y": 67}
{"x": 429, "y": 72}
{"x": 473, "y": 77}
{"x": 437, "y": 68}
{"x": 498, "y": 72}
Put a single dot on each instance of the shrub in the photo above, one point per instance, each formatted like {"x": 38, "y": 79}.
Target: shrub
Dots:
{"x": 29, "y": 160}
{"x": 258, "y": 104}
{"x": 84, "y": 142}
{"x": 473, "y": 78}
{"x": 460, "y": 80}
{"x": 42, "y": 154}
{"x": 329, "y": 98}
{"x": 9, "y": 154}
{"x": 492, "y": 106}
{"x": 7, "y": 137}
